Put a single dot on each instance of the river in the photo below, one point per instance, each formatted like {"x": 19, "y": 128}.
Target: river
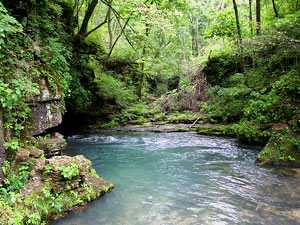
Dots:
{"x": 183, "y": 178}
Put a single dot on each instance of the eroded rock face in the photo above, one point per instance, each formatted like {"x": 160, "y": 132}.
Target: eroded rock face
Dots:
{"x": 52, "y": 146}
{"x": 45, "y": 115}
{"x": 67, "y": 173}
{"x": 81, "y": 171}
{"x": 46, "y": 109}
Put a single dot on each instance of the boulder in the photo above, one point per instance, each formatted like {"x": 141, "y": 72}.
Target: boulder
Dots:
{"x": 68, "y": 172}
{"x": 35, "y": 152}
{"x": 52, "y": 146}
{"x": 281, "y": 149}
{"x": 22, "y": 155}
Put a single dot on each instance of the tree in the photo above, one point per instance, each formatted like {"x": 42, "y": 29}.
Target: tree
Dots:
{"x": 238, "y": 27}
{"x": 109, "y": 19}
{"x": 194, "y": 26}
{"x": 250, "y": 17}
{"x": 83, "y": 31}
{"x": 84, "y": 26}
{"x": 258, "y": 19}
{"x": 2, "y": 150}
{"x": 274, "y": 8}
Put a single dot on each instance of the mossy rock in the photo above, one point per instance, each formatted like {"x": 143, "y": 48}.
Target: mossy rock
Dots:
{"x": 52, "y": 146}
{"x": 148, "y": 125}
{"x": 53, "y": 193}
{"x": 218, "y": 130}
{"x": 282, "y": 148}
{"x": 181, "y": 129}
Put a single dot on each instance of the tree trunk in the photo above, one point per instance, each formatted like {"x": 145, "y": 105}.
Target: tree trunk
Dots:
{"x": 194, "y": 35}
{"x": 2, "y": 150}
{"x": 109, "y": 25}
{"x": 258, "y": 22}
{"x": 221, "y": 5}
{"x": 84, "y": 26}
{"x": 142, "y": 77}
{"x": 238, "y": 27}
{"x": 122, "y": 31}
{"x": 197, "y": 36}
{"x": 250, "y": 17}
{"x": 274, "y": 8}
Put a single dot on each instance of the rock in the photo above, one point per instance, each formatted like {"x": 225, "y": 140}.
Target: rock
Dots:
{"x": 39, "y": 165}
{"x": 211, "y": 130}
{"x": 32, "y": 173}
{"x": 264, "y": 210}
{"x": 45, "y": 115}
{"x": 59, "y": 216}
{"x": 36, "y": 153}
{"x": 47, "y": 183}
{"x": 84, "y": 165}
{"x": 45, "y": 108}
{"x": 57, "y": 135}
{"x": 53, "y": 146}
{"x": 22, "y": 155}
{"x": 32, "y": 140}
{"x": 78, "y": 167}
{"x": 98, "y": 183}
{"x": 79, "y": 209}
{"x": 281, "y": 149}
{"x": 46, "y": 95}
{"x": 297, "y": 170}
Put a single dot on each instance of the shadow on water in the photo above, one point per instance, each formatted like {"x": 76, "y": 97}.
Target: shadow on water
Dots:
{"x": 183, "y": 178}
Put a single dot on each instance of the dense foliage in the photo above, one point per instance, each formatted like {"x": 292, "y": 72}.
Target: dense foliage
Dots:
{"x": 138, "y": 61}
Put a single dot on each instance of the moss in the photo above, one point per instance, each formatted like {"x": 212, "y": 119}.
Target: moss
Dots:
{"x": 48, "y": 194}
{"x": 282, "y": 147}
{"x": 211, "y": 130}
{"x": 181, "y": 129}
{"x": 185, "y": 117}
{"x": 147, "y": 125}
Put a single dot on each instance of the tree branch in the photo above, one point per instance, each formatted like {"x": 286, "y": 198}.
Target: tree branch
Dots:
{"x": 96, "y": 28}
{"x": 127, "y": 39}
{"x": 122, "y": 30}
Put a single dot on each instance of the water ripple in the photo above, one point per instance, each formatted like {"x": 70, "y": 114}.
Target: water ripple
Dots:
{"x": 184, "y": 179}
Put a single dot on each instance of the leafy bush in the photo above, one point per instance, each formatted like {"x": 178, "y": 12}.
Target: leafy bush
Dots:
{"x": 251, "y": 132}
{"x": 114, "y": 91}
{"x": 263, "y": 107}
{"x": 8, "y": 25}
{"x": 228, "y": 103}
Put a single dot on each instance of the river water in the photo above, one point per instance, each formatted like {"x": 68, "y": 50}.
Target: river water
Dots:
{"x": 184, "y": 178}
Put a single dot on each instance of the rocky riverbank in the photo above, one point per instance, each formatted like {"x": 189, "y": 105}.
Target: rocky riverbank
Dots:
{"x": 55, "y": 184}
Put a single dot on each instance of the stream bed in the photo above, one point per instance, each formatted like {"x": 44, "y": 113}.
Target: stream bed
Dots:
{"x": 183, "y": 178}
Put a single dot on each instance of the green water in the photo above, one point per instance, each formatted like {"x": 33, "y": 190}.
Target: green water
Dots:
{"x": 183, "y": 178}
